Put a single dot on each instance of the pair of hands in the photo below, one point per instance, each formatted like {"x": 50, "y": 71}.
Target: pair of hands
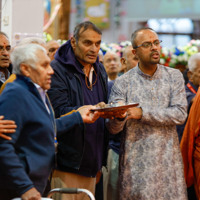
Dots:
{"x": 89, "y": 116}
{"x": 6, "y": 126}
{"x": 129, "y": 113}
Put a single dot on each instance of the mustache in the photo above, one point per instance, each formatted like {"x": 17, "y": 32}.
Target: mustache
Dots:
{"x": 155, "y": 52}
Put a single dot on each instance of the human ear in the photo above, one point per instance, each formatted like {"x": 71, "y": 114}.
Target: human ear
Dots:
{"x": 73, "y": 42}
{"x": 123, "y": 61}
{"x": 134, "y": 51}
{"x": 25, "y": 69}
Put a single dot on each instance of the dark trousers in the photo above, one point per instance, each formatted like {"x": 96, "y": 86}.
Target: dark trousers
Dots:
{"x": 8, "y": 194}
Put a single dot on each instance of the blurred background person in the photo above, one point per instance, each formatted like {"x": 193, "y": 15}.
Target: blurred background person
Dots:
{"x": 52, "y": 46}
{"x": 192, "y": 85}
{"x": 193, "y": 77}
{"x": 128, "y": 60}
{"x": 111, "y": 62}
{"x": 27, "y": 40}
{"x": 191, "y": 88}
{"x": 5, "y": 66}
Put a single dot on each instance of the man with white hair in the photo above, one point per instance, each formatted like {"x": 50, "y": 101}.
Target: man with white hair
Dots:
{"x": 27, "y": 160}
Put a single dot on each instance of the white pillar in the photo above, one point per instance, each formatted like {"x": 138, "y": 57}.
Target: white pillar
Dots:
{"x": 6, "y": 17}
{"x": 22, "y": 18}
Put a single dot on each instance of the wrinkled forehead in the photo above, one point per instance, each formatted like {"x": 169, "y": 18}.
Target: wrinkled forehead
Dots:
{"x": 110, "y": 55}
{"x": 4, "y": 40}
{"x": 88, "y": 33}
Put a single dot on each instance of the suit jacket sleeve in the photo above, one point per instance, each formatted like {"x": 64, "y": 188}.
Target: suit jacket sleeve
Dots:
{"x": 11, "y": 169}
{"x": 68, "y": 121}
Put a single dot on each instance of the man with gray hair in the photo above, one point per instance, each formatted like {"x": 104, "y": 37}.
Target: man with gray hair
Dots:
{"x": 27, "y": 160}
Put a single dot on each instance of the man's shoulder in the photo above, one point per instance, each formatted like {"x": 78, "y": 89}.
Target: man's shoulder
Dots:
{"x": 169, "y": 69}
{"x": 56, "y": 64}
{"x": 172, "y": 72}
{"x": 128, "y": 75}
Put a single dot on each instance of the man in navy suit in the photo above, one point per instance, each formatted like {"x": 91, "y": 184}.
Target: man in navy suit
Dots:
{"x": 27, "y": 159}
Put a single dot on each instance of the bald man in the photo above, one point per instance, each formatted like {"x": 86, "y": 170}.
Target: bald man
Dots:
{"x": 128, "y": 60}
{"x": 111, "y": 63}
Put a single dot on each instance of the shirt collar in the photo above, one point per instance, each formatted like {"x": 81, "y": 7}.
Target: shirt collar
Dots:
{"x": 156, "y": 74}
{"x": 41, "y": 92}
{"x": 3, "y": 77}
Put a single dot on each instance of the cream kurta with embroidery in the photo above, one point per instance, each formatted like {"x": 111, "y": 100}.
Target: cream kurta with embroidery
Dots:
{"x": 151, "y": 162}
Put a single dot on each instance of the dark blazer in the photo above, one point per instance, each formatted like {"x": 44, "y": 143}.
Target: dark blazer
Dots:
{"x": 27, "y": 160}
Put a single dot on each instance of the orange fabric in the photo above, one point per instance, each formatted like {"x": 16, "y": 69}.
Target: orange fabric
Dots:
{"x": 9, "y": 80}
{"x": 190, "y": 140}
{"x": 196, "y": 164}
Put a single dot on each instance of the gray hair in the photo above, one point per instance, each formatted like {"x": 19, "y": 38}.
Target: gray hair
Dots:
{"x": 85, "y": 25}
{"x": 192, "y": 62}
{"x": 25, "y": 54}
{"x": 134, "y": 35}
{"x": 34, "y": 40}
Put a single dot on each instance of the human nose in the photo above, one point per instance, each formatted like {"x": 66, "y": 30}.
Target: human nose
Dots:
{"x": 50, "y": 70}
{"x": 113, "y": 62}
{"x": 94, "y": 48}
{"x": 153, "y": 45}
{"x": 5, "y": 52}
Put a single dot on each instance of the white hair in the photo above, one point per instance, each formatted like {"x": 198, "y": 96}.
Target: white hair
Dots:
{"x": 26, "y": 54}
{"x": 192, "y": 61}
{"x": 35, "y": 40}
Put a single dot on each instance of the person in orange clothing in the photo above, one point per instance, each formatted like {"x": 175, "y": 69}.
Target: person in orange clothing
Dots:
{"x": 190, "y": 146}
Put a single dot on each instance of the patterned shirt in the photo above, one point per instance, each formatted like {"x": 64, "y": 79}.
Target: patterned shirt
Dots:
{"x": 150, "y": 163}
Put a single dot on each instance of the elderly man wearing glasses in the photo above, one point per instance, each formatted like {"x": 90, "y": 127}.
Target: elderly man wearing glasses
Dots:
{"x": 150, "y": 160}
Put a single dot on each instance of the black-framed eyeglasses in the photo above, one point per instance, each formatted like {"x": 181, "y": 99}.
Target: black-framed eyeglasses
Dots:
{"x": 149, "y": 44}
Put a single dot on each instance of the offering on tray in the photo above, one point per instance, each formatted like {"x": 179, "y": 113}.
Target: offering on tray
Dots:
{"x": 115, "y": 107}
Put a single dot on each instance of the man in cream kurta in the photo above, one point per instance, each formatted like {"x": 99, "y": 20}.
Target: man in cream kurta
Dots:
{"x": 150, "y": 162}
